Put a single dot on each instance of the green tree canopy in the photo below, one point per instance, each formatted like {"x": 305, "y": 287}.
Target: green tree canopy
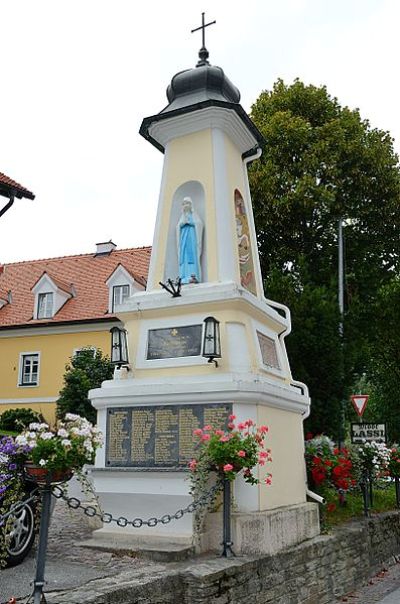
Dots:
{"x": 322, "y": 162}
{"x": 86, "y": 370}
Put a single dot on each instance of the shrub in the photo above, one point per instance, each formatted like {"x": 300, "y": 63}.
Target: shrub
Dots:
{"x": 16, "y": 420}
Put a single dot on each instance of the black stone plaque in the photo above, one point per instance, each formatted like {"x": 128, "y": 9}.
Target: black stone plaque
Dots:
{"x": 158, "y": 436}
{"x": 174, "y": 342}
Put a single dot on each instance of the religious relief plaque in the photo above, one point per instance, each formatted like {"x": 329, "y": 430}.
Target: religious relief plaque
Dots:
{"x": 268, "y": 351}
{"x": 174, "y": 342}
{"x": 159, "y": 437}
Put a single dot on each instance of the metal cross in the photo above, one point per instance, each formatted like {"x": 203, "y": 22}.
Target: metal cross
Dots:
{"x": 203, "y": 52}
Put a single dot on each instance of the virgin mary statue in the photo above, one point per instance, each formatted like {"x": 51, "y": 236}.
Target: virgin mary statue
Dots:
{"x": 189, "y": 233}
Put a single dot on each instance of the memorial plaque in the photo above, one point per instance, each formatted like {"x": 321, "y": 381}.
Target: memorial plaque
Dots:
{"x": 174, "y": 342}
{"x": 268, "y": 351}
{"x": 159, "y": 436}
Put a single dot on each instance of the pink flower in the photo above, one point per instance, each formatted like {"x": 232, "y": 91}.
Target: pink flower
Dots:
{"x": 268, "y": 480}
{"x": 228, "y": 467}
{"x": 241, "y": 426}
{"x": 205, "y": 437}
{"x": 263, "y": 429}
{"x": 208, "y": 428}
{"x": 232, "y": 417}
{"x": 224, "y": 439}
{"x": 219, "y": 432}
{"x": 263, "y": 454}
{"x": 261, "y": 462}
{"x": 198, "y": 432}
{"x": 192, "y": 465}
{"x": 242, "y": 453}
{"x": 231, "y": 425}
{"x": 249, "y": 422}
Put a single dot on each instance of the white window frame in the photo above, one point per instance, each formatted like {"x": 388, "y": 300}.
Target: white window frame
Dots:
{"x": 22, "y": 356}
{"x": 48, "y": 306}
{"x": 123, "y": 298}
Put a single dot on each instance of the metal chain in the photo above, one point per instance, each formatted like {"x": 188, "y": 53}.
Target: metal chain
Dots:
{"x": 16, "y": 507}
{"x": 106, "y": 518}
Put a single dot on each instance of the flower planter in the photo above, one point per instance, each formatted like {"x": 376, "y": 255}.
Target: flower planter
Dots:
{"x": 42, "y": 476}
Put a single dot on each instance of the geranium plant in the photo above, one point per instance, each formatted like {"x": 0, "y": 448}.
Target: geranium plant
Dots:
{"x": 229, "y": 452}
{"x": 394, "y": 461}
{"x": 69, "y": 446}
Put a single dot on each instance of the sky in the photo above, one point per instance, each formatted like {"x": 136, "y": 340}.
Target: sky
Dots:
{"x": 79, "y": 76}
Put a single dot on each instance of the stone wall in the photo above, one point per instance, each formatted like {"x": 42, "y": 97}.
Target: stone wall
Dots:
{"x": 317, "y": 571}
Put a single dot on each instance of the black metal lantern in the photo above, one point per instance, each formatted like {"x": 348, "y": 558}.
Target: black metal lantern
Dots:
{"x": 211, "y": 340}
{"x": 119, "y": 347}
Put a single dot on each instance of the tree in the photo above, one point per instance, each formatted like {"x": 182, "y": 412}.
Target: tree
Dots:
{"x": 322, "y": 163}
{"x": 385, "y": 357}
{"x": 86, "y": 370}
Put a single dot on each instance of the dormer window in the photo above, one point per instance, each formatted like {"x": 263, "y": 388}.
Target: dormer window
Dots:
{"x": 121, "y": 285}
{"x": 45, "y": 305}
{"x": 120, "y": 294}
{"x": 50, "y": 295}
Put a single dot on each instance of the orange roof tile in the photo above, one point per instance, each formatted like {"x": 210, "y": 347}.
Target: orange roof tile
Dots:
{"x": 7, "y": 186}
{"x": 86, "y": 273}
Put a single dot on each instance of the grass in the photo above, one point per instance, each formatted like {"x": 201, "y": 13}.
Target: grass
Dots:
{"x": 7, "y": 433}
{"x": 333, "y": 514}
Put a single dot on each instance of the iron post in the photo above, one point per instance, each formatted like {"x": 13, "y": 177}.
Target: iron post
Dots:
{"x": 227, "y": 551}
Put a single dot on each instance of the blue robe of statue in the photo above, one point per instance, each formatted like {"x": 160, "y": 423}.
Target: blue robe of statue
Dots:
{"x": 188, "y": 259}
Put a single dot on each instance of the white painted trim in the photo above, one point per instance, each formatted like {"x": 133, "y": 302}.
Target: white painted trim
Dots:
{"x": 252, "y": 226}
{"x": 209, "y": 293}
{"x": 145, "y": 325}
{"x": 227, "y": 260}
{"x": 216, "y": 388}
{"x": 225, "y": 119}
{"x": 57, "y": 329}
{"x": 28, "y": 401}
{"x": 19, "y": 378}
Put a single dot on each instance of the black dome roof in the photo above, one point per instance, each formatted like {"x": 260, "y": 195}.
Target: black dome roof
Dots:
{"x": 201, "y": 83}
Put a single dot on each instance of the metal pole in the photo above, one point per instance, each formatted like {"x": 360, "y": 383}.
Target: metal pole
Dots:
{"x": 38, "y": 583}
{"x": 227, "y": 543}
{"x": 397, "y": 486}
{"x": 364, "y": 490}
{"x": 341, "y": 313}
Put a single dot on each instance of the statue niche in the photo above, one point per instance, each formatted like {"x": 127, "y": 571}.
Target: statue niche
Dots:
{"x": 189, "y": 239}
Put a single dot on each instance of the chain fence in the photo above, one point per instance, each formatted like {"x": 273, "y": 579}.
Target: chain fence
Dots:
{"x": 92, "y": 511}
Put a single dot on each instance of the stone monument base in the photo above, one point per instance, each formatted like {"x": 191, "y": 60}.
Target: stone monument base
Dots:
{"x": 267, "y": 532}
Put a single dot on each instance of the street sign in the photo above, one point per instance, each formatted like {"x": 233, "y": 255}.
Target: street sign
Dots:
{"x": 359, "y": 403}
{"x": 362, "y": 433}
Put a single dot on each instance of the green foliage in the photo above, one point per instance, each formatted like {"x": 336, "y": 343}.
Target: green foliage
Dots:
{"x": 84, "y": 372}
{"x": 384, "y": 351}
{"x": 322, "y": 163}
{"x": 16, "y": 420}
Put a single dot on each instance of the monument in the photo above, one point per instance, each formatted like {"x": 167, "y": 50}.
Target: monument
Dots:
{"x": 205, "y": 242}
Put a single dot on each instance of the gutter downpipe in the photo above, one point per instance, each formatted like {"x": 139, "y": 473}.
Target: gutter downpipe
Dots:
{"x": 7, "y": 206}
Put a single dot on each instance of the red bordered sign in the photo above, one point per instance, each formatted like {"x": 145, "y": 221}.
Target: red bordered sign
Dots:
{"x": 359, "y": 403}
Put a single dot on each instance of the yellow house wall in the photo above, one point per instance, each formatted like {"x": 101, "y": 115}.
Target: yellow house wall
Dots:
{"x": 285, "y": 438}
{"x": 189, "y": 158}
{"x": 55, "y": 351}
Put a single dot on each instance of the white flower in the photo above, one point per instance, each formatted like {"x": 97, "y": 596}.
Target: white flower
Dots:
{"x": 21, "y": 440}
{"x": 34, "y": 426}
{"x": 72, "y": 417}
{"x": 42, "y": 462}
{"x": 47, "y": 435}
{"x": 32, "y": 435}
{"x": 65, "y": 442}
{"x": 43, "y": 427}
{"x": 62, "y": 432}
{"x": 88, "y": 446}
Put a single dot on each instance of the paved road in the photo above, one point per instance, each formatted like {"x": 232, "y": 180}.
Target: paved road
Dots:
{"x": 384, "y": 588}
{"x": 67, "y": 563}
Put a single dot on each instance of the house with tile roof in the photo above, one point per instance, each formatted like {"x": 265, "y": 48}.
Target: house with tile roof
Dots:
{"x": 51, "y": 308}
{"x": 11, "y": 189}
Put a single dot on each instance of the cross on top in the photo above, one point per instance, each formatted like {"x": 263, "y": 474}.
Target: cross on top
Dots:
{"x": 203, "y": 52}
